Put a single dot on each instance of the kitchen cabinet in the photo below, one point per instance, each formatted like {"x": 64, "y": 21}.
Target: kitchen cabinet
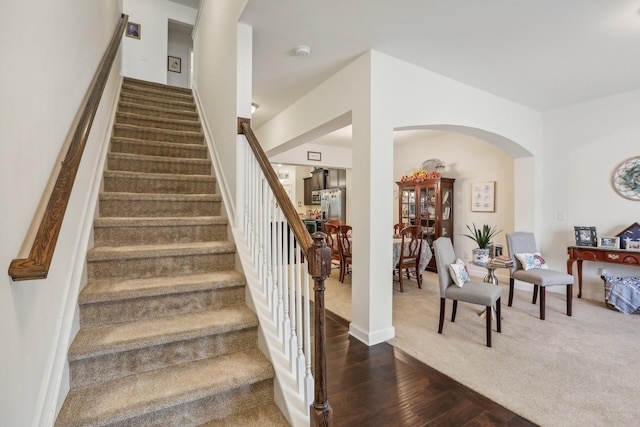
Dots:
{"x": 319, "y": 179}
{"x": 307, "y": 190}
{"x": 336, "y": 178}
{"x": 430, "y": 204}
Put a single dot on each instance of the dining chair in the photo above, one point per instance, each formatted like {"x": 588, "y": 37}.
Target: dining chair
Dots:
{"x": 522, "y": 246}
{"x": 398, "y": 227}
{"x": 474, "y": 292}
{"x": 410, "y": 251}
{"x": 331, "y": 233}
{"x": 344, "y": 243}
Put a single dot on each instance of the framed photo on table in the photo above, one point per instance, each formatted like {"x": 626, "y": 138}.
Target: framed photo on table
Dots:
{"x": 586, "y": 236}
{"x": 612, "y": 242}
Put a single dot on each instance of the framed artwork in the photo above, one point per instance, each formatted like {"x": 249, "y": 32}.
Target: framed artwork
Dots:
{"x": 609, "y": 242}
{"x": 314, "y": 155}
{"x": 630, "y": 236}
{"x": 133, "y": 30}
{"x": 483, "y": 196}
{"x": 174, "y": 64}
{"x": 586, "y": 236}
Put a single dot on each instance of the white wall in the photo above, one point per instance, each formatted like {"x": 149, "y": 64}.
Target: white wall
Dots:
{"x": 216, "y": 52}
{"x": 584, "y": 144}
{"x": 54, "y": 54}
{"x": 180, "y": 43}
{"x": 146, "y": 58}
{"x": 467, "y": 159}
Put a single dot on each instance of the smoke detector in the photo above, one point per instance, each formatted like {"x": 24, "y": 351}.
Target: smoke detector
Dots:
{"x": 302, "y": 50}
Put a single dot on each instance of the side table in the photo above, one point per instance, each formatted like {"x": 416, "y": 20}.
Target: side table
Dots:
{"x": 490, "y": 278}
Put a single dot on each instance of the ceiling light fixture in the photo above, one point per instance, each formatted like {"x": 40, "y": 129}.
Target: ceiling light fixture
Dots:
{"x": 302, "y": 50}
{"x": 254, "y": 107}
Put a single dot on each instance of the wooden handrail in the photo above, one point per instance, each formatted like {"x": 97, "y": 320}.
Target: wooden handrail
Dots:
{"x": 318, "y": 255}
{"x": 36, "y": 266}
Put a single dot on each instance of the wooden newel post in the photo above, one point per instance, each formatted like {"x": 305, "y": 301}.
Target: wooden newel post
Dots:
{"x": 319, "y": 257}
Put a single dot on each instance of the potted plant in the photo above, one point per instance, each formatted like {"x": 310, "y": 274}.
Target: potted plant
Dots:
{"x": 482, "y": 237}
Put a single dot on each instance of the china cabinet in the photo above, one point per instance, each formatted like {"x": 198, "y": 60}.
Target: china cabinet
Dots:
{"x": 430, "y": 204}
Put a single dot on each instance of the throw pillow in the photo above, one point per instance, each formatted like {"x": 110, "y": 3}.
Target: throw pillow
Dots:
{"x": 459, "y": 272}
{"x": 531, "y": 260}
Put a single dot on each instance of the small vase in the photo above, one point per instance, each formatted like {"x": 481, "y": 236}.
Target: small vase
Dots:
{"x": 480, "y": 256}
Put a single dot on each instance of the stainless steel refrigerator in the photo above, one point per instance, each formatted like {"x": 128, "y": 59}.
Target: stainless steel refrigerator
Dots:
{"x": 333, "y": 204}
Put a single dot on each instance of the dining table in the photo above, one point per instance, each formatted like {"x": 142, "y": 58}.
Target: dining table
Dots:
{"x": 425, "y": 253}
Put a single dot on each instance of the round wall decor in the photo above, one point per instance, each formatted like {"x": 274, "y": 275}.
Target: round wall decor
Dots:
{"x": 626, "y": 179}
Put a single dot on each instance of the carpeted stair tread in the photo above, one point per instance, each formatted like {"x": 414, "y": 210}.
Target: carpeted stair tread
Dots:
{"x": 157, "y": 122}
{"x": 149, "y": 91}
{"x": 155, "y": 134}
{"x": 113, "y": 231}
{"x": 135, "y": 83}
{"x": 140, "y": 394}
{"x": 180, "y": 106}
{"x": 158, "y": 222}
{"x": 150, "y": 175}
{"x": 100, "y": 340}
{"x": 155, "y": 183}
{"x": 106, "y": 253}
{"x": 156, "y": 111}
{"x": 160, "y": 197}
{"x": 163, "y": 148}
{"x": 157, "y": 164}
{"x": 95, "y": 292}
{"x": 260, "y": 416}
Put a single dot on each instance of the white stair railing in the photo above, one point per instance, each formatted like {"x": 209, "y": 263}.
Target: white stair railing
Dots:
{"x": 280, "y": 249}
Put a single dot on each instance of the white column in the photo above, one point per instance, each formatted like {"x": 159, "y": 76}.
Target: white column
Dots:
{"x": 372, "y": 202}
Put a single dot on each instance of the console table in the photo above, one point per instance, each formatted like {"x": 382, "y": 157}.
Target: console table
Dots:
{"x": 590, "y": 253}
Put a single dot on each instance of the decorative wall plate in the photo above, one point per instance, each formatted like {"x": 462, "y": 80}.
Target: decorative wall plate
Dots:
{"x": 430, "y": 165}
{"x": 626, "y": 179}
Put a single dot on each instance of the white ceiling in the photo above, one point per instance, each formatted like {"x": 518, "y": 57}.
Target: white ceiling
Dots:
{"x": 543, "y": 54}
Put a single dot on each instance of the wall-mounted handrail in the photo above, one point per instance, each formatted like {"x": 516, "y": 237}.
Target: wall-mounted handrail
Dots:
{"x": 36, "y": 266}
{"x": 318, "y": 256}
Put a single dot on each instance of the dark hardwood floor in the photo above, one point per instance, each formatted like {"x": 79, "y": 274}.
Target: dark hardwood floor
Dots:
{"x": 382, "y": 386}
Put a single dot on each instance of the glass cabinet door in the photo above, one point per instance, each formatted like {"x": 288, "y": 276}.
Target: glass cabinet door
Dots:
{"x": 408, "y": 206}
{"x": 446, "y": 214}
{"x": 428, "y": 198}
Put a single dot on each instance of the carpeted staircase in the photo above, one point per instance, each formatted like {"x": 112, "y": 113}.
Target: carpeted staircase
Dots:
{"x": 165, "y": 336}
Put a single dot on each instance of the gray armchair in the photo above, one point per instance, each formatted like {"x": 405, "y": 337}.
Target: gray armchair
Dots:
{"x": 522, "y": 242}
{"x": 473, "y": 292}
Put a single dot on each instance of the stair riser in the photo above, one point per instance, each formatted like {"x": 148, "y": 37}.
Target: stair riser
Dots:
{"x": 144, "y": 92}
{"x": 209, "y": 408}
{"x": 185, "y": 151}
{"x": 198, "y": 167}
{"x": 139, "y": 268}
{"x": 113, "y": 236}
{"x": 108, "y": 312}
{"x": 125, "y": 107}
{"x": 157, "y": 135}
{"x": 158, "y": 186}
{"x": 116, "y": 365}
{"x": 140, "y": 208}
{"x": 177, "y": 106}
{"x": 158, "y": 124}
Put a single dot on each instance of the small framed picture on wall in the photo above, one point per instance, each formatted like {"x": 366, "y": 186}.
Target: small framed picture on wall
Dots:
{"x": 483, "y": 196}
{"x": 133, "y": 30}
{"x": 174, "y": 64}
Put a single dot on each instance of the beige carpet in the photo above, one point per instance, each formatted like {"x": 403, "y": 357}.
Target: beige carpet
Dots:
{"x": 564, "y": 371}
